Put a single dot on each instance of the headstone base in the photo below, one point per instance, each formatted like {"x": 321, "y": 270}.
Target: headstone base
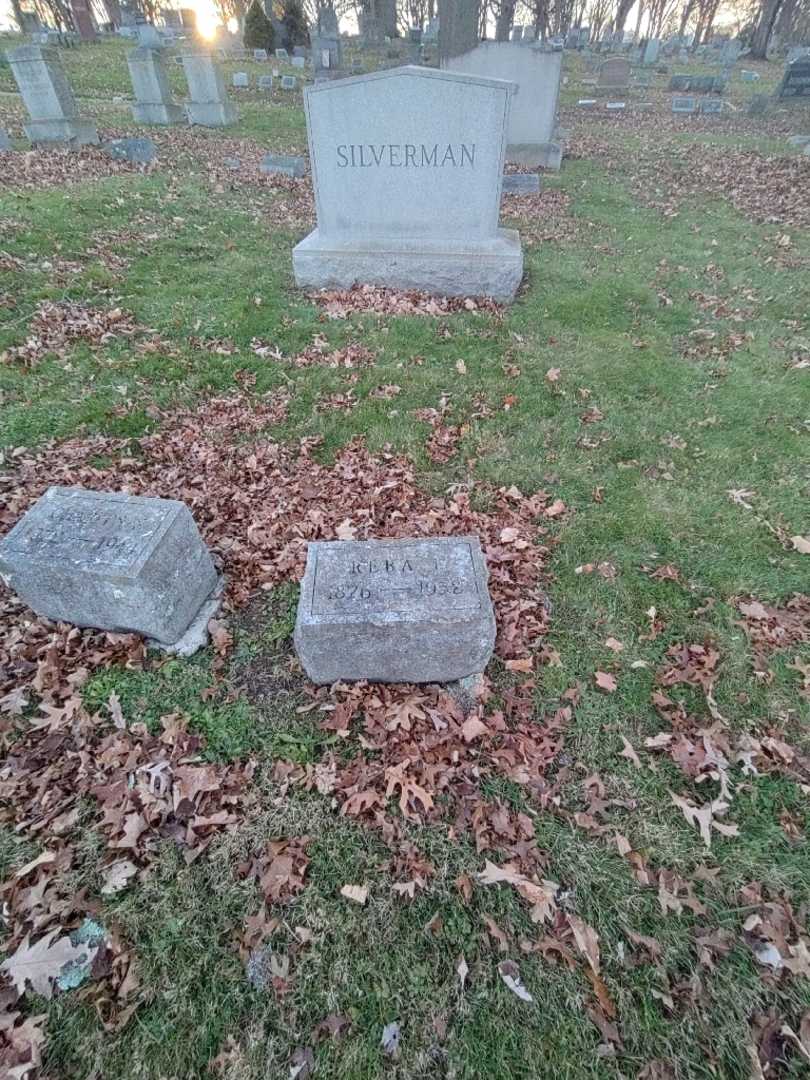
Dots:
{"x": 66, "y": 132}
{"x": 157, "y": 113}
{"x": 487, "y": 268}
{"x": 531, "y": 155}
{"x": 211, "y": 113}
{"x": 197, "y": 635}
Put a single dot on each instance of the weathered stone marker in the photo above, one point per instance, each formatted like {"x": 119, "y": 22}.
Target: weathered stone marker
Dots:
{"x": 286, "y": 164}
{"x": 48, "y": 98}
{"x": 533, "y": 109}
{"x": 395, "y": 611}
{"x": 111, "y": 561}
{"x": 209, "y": 104}
{"x": 406, "y": 166}
{"x": 153, "y": 96}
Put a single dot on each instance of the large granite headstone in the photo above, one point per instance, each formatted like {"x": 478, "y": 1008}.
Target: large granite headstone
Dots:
{"x": 209, "y": 104}
{"x": 395, "y": 611}
{"x": 115, "y": 562}
{"x": 614, "y": 74}
{"x": 651, "y": 51}
{"x": 406, "y": 166}
{"x": 48, "y": 98}
{"x": 153, "y": 97}
{"x": 533, "y": 109}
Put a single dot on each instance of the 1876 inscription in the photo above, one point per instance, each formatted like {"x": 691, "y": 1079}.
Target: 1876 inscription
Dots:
{"x": 423, "y": 576}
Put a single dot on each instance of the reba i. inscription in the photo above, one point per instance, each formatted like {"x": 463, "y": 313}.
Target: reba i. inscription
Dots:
{"x": 423, "y": 576}
{"x": 395, "y": 610}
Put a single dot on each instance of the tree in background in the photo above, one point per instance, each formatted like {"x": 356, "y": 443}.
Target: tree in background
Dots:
{"x": 294, "y": 21}
{"x": 259, "y": 32}
{"x": 231, "y": 9}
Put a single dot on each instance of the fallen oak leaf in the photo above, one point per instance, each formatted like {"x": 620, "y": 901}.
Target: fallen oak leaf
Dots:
{"x": 605, "y": 682}
{"x": 629, "y": 753}
{"x": 801, "y": 544}
{"x": 473, "y": 729}
{"x": 509, "y": 973}
{"x": 41, "y": 964}
{"x": 587, "y": 941}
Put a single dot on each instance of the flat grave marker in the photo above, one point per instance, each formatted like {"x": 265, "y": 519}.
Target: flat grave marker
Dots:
{"x": 395, "y": 611}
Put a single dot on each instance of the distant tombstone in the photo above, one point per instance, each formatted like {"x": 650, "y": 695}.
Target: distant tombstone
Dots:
{"x": 149, "y": 37}
{"x": 300, "y": 51}
{"x": 615, "y": 106}
{"x": 241, "y": 80}
{"x": 110, "y": 561}
{"x": 798, "y": 52}
{"x": 327, "y": 49}
{"x": 679, "y": 83}
{"x": 531, "y": 139}
{"x": 711, "y": 107}
{"x": 261, "y": 54}
{"x": 517, "y": 33}
{"x": 614, "y": 74}
{"x": 209, "y": 105}
{"x": 651, "y": 50}
{"x": 406, "y": 204}
{"x": 153, "y": 97}
{"x": 415, "y": 611}
{"x": 282, "y": 54}
{"x": 265, "y": 82}
{"x": 730, "y": 52}
{"x": 796, "y": 80}
{"x": 749, "y": 76}
{"x": 288, "y": 82}
{"x": 587, "y": 103}
{"x": 325, "y": 60}
{"x": 520, "y": 183}
{"x": 285, "y": 164}
{"x": 48, "y": 98}
{"x": 431, "y": 33}
{"x": 137, "y": 151}
{"x": 684, "y": 105}
{"x": 356, "y": 68}
{"x": 298, "y": 62}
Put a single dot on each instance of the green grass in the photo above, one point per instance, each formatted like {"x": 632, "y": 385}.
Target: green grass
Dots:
{"x": 676, "y": 435}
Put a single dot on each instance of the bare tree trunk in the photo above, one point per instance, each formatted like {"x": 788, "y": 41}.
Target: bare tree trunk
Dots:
{"x": 622, "y": 11}
{"x": 503, "y": 23}
{"x": 689, "y": 7}
{"x": 16, "y": 12}
{"x": 764, "y": 28}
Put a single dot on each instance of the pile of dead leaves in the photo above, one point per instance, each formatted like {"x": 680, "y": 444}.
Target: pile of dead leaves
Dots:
{"x": 35, "y": 169}
{"x": 319, "y": 354}
{"x": 543, "y": 218}
{"x": 58, "y": 324}
{"x": 375, "y": 299}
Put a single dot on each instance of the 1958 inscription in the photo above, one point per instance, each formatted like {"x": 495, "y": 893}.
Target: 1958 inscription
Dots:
{"x": 428, "y": 576}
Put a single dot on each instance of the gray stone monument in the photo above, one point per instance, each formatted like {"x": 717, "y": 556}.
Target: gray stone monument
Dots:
{"x": 395, "y": 611}
{"x": 651, "y": 50}
{"x": 299, "y": 62}
{"x": 209, "y": 104}
{"x": 137, "y": 151}
{"x": 241, "y": 80}
{"x": 406, "y": 166}
{"x": 282, "y": 54}
{"x": 327, "y": 51}
{"x": 48, "y": 98}
{"x": 531, "y": 137}
{"x": 614, "y": 74}
{"x": 115, "y": 562}
{"x": 260, "y": 54}
{"x": 288, "y": 82}
{"x": 265, "y": 82}
{"x": 796, "y": 80}
{"x": 686, "y": 105}
{"x": 153, "y": 97}
{"x": 521, "y": 183}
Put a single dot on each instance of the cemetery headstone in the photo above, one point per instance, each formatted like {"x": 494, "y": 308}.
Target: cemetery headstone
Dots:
{"x": 282, "y": 54}
{"x": 265, "y": 82}
{"x": 731, "y": 50}
{"x": 300, "y": 51}
{"x": 711, "y": 107}
{"x": 287, "y": 165}
{"x": 110, "y": 561}
{"x": 587, "y": 103}
{"x": 150, "y": 83}
{"x": 517, "y": 34}
{"x": 209, "y": 105}
{"x": 679, "y": 83}
{"x": 298, "y": 62}
{"x": 53, "y": 118}
{"x": 616, "y": 106}
{"x": 614, "y": 74}
{"x": 431, "y": 32}
{"x": 684, "y": 105}
{"x": 241, "y": 80}
{"x": 749, "y": 76}
{"x": 531, "y": 138}
{"x": 327, "y": 50}
{"x": 149, "y": 37}
{"x": 406, "y": 166}
{"x": 798, "y": 52}
{"x": 261, "y": 54}
{"x": 796, "y": 80}
{"x": 520, "y": 183}
{"x": 395, "y": 611}
{"x": 288, "y": 82}
{"x": 651, "y": 50}
{"x": 138, "y": 151}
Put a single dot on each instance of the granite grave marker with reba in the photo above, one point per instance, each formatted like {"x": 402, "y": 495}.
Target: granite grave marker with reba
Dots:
{"x": 395, "y": 611}
{"x": 406, "y": 166}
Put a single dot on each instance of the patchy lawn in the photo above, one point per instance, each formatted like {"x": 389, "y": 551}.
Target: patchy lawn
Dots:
{"x": 599, "y": 869}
